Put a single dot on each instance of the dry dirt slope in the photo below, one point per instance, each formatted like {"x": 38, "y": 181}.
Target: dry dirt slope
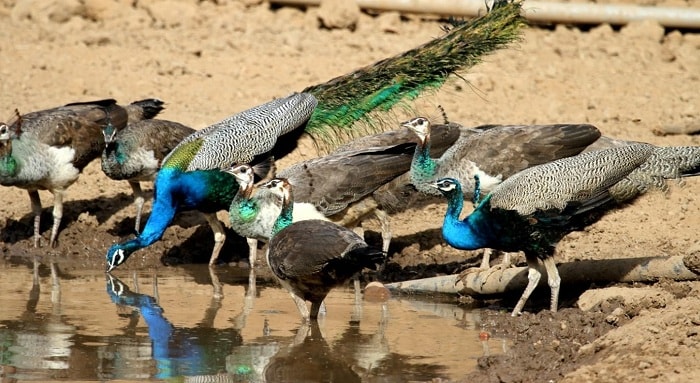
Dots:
{"x": 208, "y": 61}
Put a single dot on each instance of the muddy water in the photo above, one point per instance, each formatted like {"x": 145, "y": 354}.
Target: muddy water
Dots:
{"x": 190, "y": 323}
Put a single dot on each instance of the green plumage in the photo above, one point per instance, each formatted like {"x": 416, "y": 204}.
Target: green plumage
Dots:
{"x": 350, "y": 98}
{"x": 180, "y": 159}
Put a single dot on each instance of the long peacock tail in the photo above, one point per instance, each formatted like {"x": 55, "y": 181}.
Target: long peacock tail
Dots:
{"x": 349, "y": 98}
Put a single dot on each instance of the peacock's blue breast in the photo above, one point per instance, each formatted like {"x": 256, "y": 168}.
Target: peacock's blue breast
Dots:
{"x": 204, "y": 190}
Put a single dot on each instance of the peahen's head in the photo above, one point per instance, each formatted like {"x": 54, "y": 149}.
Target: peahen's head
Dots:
{"x": 8, "y": 131}
{"x": 281, "y": 188}
{"x": 420, "y": 126}
{"x": 5, "y": 140}
{"x": 118, "y": 254}
{"x": 448, "y": 187}
{"x": 109, "y": 131}
{"x": 244, "y": 174}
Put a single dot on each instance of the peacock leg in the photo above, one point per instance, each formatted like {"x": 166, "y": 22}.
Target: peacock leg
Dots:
{"x": 139, "y": 199}
{"x": 301, "y": 306}
{"x": 485, "y": 263}
{"x": 386, "y": 229}
{"x": 57, "y": 215}
{"x": 533, "y": 278}
{"x": 486, "y": 259}
{"x": 554, "y": 281}
{"x": 252, "y": 251}
{"x": 36, "y": 210}
{"x": 219, "y": 236}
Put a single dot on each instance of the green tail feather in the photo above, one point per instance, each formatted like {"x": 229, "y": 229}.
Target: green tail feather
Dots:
{"x": 350, "y": 98}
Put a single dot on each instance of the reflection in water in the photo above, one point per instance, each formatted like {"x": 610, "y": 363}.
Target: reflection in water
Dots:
{"x": 63, "y": 331}
{"x": 309, "y": 359}
{"x": 176, "y": 351}
{"x": 37, "y": 341}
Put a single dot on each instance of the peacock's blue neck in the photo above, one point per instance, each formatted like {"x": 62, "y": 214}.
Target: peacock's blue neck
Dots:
{"x": 471, "y": 233}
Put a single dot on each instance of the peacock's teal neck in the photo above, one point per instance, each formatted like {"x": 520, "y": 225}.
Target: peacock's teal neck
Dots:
{"x": 285, "y": 217}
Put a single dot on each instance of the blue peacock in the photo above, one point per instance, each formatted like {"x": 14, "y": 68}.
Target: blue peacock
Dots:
{"x": 190, "y": 177}
{"x": 532, "y": 210}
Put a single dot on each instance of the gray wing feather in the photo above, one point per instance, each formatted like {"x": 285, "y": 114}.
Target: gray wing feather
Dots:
{"x": 334, "y": 181}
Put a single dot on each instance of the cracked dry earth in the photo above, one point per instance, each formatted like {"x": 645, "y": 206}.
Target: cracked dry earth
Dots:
{"x": 210, "y": 59}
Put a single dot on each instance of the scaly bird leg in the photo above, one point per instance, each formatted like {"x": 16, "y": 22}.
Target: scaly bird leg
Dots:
{"x": 554, "y": 281}
{"x": 316, "y": 308}
{"x": 533, "y": 278}
{"x": 139, "y": 199}
{"x": 36, "y": 210}
{"x": 219, "y": 236}
{"x": 252, "y": 251}
{"x": 386, "y": 229}
{"x": 57, "y": 215}
{"x": 485, "y": 262}
{"x": 301, "y": 306}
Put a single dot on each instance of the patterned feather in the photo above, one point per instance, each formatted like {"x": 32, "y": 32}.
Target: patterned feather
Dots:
{"x": 493, "y": 152}
{"x": 259, "y": 128}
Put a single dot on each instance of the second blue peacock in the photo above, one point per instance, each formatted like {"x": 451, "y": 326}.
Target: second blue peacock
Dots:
{"x": 534, "y": 209}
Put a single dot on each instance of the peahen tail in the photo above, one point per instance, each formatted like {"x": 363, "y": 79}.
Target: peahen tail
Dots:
{"x": 666, "y": 163}
{"x": 350, "y": 98}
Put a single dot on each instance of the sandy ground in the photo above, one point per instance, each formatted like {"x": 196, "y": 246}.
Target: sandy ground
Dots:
{"x": 210, "y": 59}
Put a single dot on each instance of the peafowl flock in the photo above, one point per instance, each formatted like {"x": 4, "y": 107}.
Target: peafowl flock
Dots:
{"x": 311, "y": 257}
{"x": 190, "y": 178}
{"x": 47, "y": 149}
{"x": 532, "y": 210}
{"x": 134, "y": 153}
